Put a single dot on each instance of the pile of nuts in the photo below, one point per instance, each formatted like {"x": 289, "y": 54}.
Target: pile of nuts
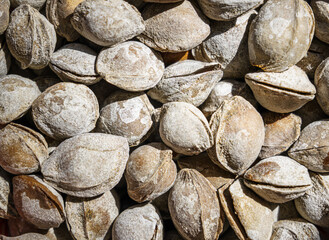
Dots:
{"x": 164, "y": 119}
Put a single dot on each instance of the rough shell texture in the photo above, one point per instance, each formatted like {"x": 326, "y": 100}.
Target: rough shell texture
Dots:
{"x": 131, "y": 66}
{"x": 123, "y": 21}
{"x": 150, "y": 172}
{"x": 37, "y": 4}
{"x": 167, "y": 31}
{"x": 225, "y": 10}
{"x": 31, "y": 38}
{"x": 312, "y": 147}
{"x": 321, "y": 81}
{"x": 5, "y": 58}
{"x": 87, "y": 165}
{"x": 65, "y": 110}
{"x": 22, "y": 149}
{"x": 320, "y": 10}
{"x": 75, "y": 62}
{"x": 281, "y": 34}
{"x": 91, "y": 218}
{"x": 281, "y": 92}
{"x": 138, "y": 222}
{"x": 238, "y": 131}
{"x": 16, "y": 97}
{"x": 26, "y": 236}
{"x": 187, "y": 81}
{"x": 37, "y": 202}
{"x": 128, "y": 115}
{"x": 194, "y": 206}
{"x": 281, "y": 131}
{"x": 314, "y": 205}
{"x": 4, "y": 15}
{"x": 7, "y": 209}
{"x": 184, "y": 128}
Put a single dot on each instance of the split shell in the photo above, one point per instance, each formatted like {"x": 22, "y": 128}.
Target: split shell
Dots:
{"x": 321, "y": 81}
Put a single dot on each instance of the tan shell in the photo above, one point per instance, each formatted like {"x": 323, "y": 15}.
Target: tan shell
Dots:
{"x": 321, "y": 81}
{"x": 16, "y": 97}
{"x": 87, "y": 165}
{"x": 150, "y": 172}
{"x": 167, "y": 31}
{"x": 4, "y": 15}
{"x": 238, "y": 131}
{"x": 320, "y": 10}
{"x": 312, "y": 147}
{"x": 278, "y": 179}
{"x": 138, "y": 222}
{"x": 186, "y": 81}
{"x": 194, "y": 206}
{"x": 37, "y": 202}
{"x": 91, "y": 218}
{"x": 30, "y": 37}
{"x": 5, "y": 57}
{"x": 131, "y": 66}
{"x": 281, "y": 34}
{"x": 281, "y": 92}
{"x": 314, "y": 205}
{"x": 22, "y": 150}
{"x": 7, "y": 209}
{"x": 184, "y": 128}
{"x": 281, "y": 131}
{"x": 65, "y": 110}
{"x": 37, "y": 4}
{"x": 75, "y": 62}
{"x": 123, "y": 21}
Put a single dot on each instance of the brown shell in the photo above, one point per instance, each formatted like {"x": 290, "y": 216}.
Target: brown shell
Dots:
{"x": 4, "y": 15}
{"x": 321, "y": 81}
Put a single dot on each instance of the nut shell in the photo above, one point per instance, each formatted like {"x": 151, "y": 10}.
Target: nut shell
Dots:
{"x": 321, "y": 81}
{"x": 4, "y": 15}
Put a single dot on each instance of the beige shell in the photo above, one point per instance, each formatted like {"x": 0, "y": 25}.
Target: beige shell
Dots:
{"x": 314, "y": 205}
{"x": 5, "y": 57}
{"x": 37, "y": 202}
{"x": 238, "y": 131}
{"x": 281, "y": 92}
{"x": 30, "y": 37}
{"x": 65, "y": 110}
{"x": 312, "y": 147}
{"x": 150, "y": 172}
{"x": 16, "y": 97}
{"x": 128, "y": 115}
{"x": 194, "y": 206}
{"x": 321, "y": 81}
{"x": 75, "y": 62}
{"x": 26, "y": 236}
{"x": 281, "y": 34}
{"x": 107, "y": 22}
{"x": 37, "y": 4}
{"x": 187, "y": 81}
{"x": 91, "y": 218}
{"x": 320, "y": 10}
{"x": 131, "y": 66}
{"x": 7, "y": 209}
{"x": 184, "y": 128}
{"x": 4, "y": 15}
{"x": 167, "y": 31}
{"x": 87, "y": 165}
{"x": 281, "y": 131}
{"x": 22, "y": 150}
{"x": 141, "y": 221}
{"x": 278, "y": 179}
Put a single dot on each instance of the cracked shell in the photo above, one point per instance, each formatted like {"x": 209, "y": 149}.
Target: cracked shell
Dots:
{"x": 321, "y": 81}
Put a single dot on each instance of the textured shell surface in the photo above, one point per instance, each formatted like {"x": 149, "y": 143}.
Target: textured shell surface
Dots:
{"x": 320, "y": 10}
{"x": 321, "y": 81}
{"x": 4, "y": 15}
{"x": 37, "y": 4}
{"x": 7, "y": 209}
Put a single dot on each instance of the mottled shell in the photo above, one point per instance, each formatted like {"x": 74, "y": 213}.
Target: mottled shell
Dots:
{"x": 5, "y": 57}
{"x": 281, "y": 131}
{"x": 16, "y": 97}
{"x": 4, "y": 15}
{"x": 278, "y": 179}
{"x": 312, "y": 147}
{"x": 238, "y": 131}
{"x": 75, "y": 62}
{"x": 65, "y": 110}
{"x": 128, "y": 115}
{"x": 37, "y": 4}
{"x": 184, "y": 128}
{"x": 30, "y": 37}
{"x": 187, "y": 81}
{"x": 37, "y": 202}
{"x": 87, "y": 165}
{"x": 150, "y": 172}
{"x": 7, "y": 209}
{"x": 281, "y": 34}
{"x": 226, "y": 10}
{"x": 321, "y": 81}
{"x": 281, "y": 92}
{"x": 194, "y": 206}
{"x": 167, "y": 31}
{"x": 131, "y": 66}
{"x": 141, "y": 221}
{"x": 107, "y": 22}
{"x": 26, "y": 236}
{"x": 314, "y": 205}
{"x": 91, "y": 218}
{"x": 321, "y": 14}
{"x": 22, "y": 150}
{"x": 59, "y": 13}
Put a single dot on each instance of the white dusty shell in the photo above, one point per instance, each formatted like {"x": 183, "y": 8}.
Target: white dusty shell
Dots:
{"x": 7, "y": 209}
{"x": 321, "y": 81}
